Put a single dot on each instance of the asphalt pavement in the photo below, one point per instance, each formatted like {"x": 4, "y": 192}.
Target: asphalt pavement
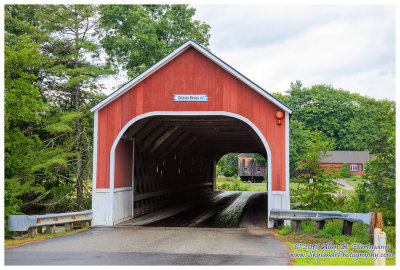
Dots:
{"x": 222, "y": 229}
{"x": 139, "y": 245}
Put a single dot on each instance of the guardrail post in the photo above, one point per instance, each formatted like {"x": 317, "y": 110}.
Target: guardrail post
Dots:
{"x": 32, "y": 232}
{"x": 376, "y": 222}
{"x": 372, "y": 227}
{"x": 51, "y": 229}
{"x": 69, "y": 226}
{"x": 278, "y": 224}
{"x": 84, "y": 224}
{"x": 320, "y": 225}
{"x": 382, "y": 243}
{"x": 347, "y": 227}
{"x": 296, "y": 225}
{"x": 376, "y": 233}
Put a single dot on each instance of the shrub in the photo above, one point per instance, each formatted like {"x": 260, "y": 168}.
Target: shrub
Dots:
{"x": 390, "y": 237}
{"x": 345, "y": 171}
{"x": 238, "y": 185}
{"x": 229, "y": 170}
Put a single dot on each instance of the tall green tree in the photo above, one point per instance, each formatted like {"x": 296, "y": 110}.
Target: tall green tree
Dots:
{"x": 23, "y": 112}
{"x": 316, "y": 183}
{"x": 380, "y": 172}
{"x": 342, "y": 116}
{"x": 298, "y": 137}
{"x": 137, "y": 36}
{"x": 72, "y": 74}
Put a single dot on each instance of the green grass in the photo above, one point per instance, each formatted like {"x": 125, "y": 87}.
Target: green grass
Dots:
{"x": 353, "y": 181}
{"x": 262, "y": 187}
{"x": 347, "y": 192}
{"x": 332, "y": 233}
{"x": 258, "y": 187}
{"x": 311, "y": 255}
{"x": 40, "y": 236}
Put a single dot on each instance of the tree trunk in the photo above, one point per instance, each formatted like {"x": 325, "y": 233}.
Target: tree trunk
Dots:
{"x": 79, "y": 182}
{"x": 77, "y": 103}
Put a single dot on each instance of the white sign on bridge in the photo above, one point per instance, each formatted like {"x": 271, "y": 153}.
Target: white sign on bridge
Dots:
{"x": 190, "y": 97}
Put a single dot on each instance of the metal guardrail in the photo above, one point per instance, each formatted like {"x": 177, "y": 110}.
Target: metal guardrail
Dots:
{"x": 21, "y": 223}
{"x": 278, "y": 214}
{"x": 297, "y": 216}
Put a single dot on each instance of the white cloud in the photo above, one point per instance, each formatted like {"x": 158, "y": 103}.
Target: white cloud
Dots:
{"x": 349, "y": 47}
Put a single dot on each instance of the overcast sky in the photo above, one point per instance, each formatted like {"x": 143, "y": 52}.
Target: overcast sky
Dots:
{"x": 347, "y": 46}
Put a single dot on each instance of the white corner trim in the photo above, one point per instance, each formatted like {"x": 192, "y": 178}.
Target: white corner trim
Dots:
{"x": 287, "y": 160}
{"x": 95, "y": 134}
{"x": 171, "y": 56}
{"x": 187, "y": 113}
{"x": 133, "y": 177}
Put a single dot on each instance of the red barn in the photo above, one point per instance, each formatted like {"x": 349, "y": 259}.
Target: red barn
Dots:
{"x": 159, "y": 136}
{"x": 354, "y": 159}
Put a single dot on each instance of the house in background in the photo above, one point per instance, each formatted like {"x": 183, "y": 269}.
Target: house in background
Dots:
{"x": 354, "y": 159}
{"x": 248, "y": 170}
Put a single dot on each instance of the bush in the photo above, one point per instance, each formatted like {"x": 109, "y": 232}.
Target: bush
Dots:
{"x": 390, "y": 237}
{"x": 345, "y": 171}
{"x": 229, "y": 171}
{"x": 238, "y": 185}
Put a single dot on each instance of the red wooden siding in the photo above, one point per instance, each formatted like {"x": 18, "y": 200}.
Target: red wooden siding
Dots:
{"x": 189, "y": 73}
{"x": 123, "y": 164}
{"x": 337, "y": 166}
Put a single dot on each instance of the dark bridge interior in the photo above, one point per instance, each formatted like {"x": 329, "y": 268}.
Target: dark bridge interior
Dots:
{"x": 175, "y": 156}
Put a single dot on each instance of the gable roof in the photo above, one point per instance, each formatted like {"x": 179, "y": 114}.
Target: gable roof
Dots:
{"x": 347, "y": 157}
{"x": 190, "y": 43}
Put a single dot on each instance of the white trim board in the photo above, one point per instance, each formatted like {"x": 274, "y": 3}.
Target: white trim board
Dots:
{"x": 185, "y": 113}
{"x": 95, "y": 134}
{"x": 287, "y": 161}
{"x": 172, "y": 55}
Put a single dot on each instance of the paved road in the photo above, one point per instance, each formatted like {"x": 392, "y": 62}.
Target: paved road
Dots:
{"x": 138, "y": 245}
{"x": 220, "y": 228}
{"x": 345, "y": 184}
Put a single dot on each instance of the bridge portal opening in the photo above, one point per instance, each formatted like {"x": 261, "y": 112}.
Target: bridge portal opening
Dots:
{"x": 171, "y": 164}
{"x": 158, "y": 136}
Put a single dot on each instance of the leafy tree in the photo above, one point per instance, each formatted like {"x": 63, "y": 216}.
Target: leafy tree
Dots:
{"x": 380, "y": 172}
{"x": 23, "y": 110}
{"x": 345, "y": 171}
{"x": 137, "y": 36}
{"x": 260, "y": 160}
{"x": 52, "y": 70}
{"x": 316, "y": 183}
{"x": 228, "y": 165}
{"x": 341, "y": 116}
{"x": 298, "y": 137}
{"x": 72, "y": 77}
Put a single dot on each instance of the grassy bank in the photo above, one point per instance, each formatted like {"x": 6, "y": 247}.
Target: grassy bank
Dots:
{"x": 353, "y": 181}
{"x": 38, "y": 238}
{"x": 329, "y": 246}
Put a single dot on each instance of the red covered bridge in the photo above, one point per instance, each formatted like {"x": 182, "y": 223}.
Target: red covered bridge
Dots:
{"x": 160, "y": 135}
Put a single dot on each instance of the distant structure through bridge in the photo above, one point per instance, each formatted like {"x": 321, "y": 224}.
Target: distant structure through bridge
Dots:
{"x": 249, "y": 170}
